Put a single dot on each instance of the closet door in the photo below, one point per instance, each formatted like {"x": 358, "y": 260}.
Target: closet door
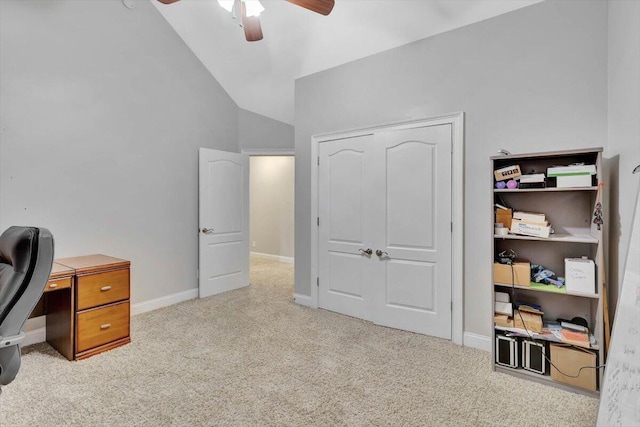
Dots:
{"x": 412, "y": 215}
{"x": 345, "y": 228}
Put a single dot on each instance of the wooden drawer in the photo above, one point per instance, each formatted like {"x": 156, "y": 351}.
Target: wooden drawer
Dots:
{"x": 103, "y": 288}
{"x": 102, "y": 325}
{"x": 53, "y": 285}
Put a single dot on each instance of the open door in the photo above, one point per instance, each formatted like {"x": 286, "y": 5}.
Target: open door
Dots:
{"x": 223, "y": 221}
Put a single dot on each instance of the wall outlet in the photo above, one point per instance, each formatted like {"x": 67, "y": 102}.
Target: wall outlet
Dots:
{"x": 253, "y": 244}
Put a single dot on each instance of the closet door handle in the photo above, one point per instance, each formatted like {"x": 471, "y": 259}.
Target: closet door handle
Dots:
{"x": 381, "y": 253}
{"x": 367, "y": 251}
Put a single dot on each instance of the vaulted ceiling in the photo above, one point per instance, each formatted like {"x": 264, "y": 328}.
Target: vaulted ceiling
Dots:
{"x": 260, "y": 76}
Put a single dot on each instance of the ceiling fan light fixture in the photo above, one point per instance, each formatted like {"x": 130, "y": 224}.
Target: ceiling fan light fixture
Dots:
{"x": 227, "y": 4}
{"x": 254, "y": 7}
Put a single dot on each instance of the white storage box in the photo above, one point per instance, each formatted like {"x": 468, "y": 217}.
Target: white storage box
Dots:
{"x": 572, "y": 176}
{"x": 580, "y": 275}
{"x": 530, "y": 229}
{"x": 504, "y": 308}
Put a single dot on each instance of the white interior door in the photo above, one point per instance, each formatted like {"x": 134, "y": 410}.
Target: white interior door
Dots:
{"x": 223, "y": 221}
{"x": 345, "y": 228}
{"x": 413, "y": 215}
{"x": 389, "y": 192}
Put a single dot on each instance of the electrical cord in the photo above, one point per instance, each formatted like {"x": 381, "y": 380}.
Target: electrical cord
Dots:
{"x": 513, "y": 288}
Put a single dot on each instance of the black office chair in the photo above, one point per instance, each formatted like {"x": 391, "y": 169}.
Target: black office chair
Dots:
{"x": 26, "y": 257}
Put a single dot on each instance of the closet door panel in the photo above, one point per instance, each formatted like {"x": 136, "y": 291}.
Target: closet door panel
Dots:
{"x": 345, "y": 228}
{"x": 408, "y": 290}
{"x": 413, "y": 213}
{"x": 410, "y": 194}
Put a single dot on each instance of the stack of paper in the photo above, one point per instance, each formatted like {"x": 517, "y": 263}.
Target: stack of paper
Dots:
{"x": 580, "y": 339}
{"x": 530, "y": 224}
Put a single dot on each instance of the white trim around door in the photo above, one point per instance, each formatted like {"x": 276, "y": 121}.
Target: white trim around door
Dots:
{"x": 268, "y": 151}
{"x": 456, "y": 120}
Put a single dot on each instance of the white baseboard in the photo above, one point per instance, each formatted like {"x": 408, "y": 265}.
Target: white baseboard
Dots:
{"x": 166, "y": 301}
{"x": 286, "y": 259}
{"x": 35, "y": 336}
{"x": 480, "y": 342}
{"x": 303, "y": 300}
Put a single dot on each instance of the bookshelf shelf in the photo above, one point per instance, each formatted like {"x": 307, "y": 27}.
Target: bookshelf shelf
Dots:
{"x": 557, "y": 237}
{"x": 544, "y": 190}
{"x": 539, "y": 287}
{"x": 543, "y": 337}
{"x": 570, "y": 211}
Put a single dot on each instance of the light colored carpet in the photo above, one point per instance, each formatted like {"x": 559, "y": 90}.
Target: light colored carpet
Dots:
{"x": 253, "y": 357}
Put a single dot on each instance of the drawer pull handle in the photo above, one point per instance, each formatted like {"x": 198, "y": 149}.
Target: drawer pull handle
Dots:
{"x": 105, "y": 288}
{"x": 53, "y": 286}
{"x": 105, "y": 326}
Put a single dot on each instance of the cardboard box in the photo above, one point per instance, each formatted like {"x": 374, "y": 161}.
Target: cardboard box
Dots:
{"x": 532, "y": 321}
{"x": 530, "y": 229}
{"x": 510, "y": 172}
{"x": 503, "y": 320}
{"x": 580, "y": 275}
{"x": 572, "y": 176}
{"x": 569, "y": 360}
{"x": 521, "y": 273}
{"x": 504, "y": 217}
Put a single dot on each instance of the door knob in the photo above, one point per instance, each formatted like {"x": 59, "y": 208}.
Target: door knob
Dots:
{"x": 367, "y": 251}
{"x": 207, "y": 230}
{"x": 381, "y": 254}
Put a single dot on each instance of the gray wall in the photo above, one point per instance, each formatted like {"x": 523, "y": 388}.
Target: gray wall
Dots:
{"x": 103, "y": 110}
{"x": 272, "y": 205}
{"x": 260, "y": 132}
{"x": 623, "y": 131}
{"x": 531, "y": 80}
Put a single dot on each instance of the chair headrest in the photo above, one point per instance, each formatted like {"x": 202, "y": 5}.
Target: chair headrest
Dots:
{"x": 18, "y": 256}
{"x": 17, "y": 244}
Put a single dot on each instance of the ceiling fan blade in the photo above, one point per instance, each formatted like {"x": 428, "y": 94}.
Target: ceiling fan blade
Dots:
{"x": 323, "y": 7}
{"x": 251, "y": 25}
{"x": 168, "y": 1}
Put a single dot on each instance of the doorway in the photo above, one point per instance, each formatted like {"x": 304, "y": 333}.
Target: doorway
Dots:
{"x": 272, "y": 207}
{"x": 225, "y": 242}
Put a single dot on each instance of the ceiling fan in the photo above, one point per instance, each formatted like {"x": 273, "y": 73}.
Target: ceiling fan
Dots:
{"x": 250, "y": 10}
